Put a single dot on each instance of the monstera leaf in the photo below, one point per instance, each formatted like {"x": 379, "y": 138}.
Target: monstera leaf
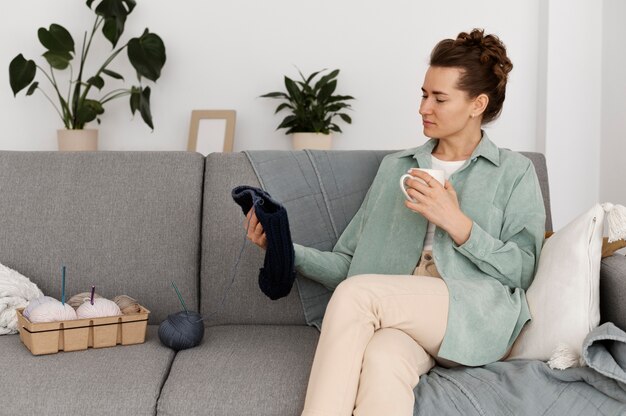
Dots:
{"x": 77, "y": 103}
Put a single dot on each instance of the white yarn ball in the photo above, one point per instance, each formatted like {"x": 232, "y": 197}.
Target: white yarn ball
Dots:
{"x": 52, "y": 311}
{"x": 34, "y": 303}
{"x": 101, "y": 307}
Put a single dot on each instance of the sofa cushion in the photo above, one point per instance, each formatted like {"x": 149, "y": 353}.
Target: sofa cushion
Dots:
{"x": 242, "y": 370}
{"x": 106, "y": 381}
{"x": 126, "y": 222}
{"x": 223, "y": 237}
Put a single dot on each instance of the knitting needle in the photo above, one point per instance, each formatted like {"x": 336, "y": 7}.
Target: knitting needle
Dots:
{"x": 182, "y": 302}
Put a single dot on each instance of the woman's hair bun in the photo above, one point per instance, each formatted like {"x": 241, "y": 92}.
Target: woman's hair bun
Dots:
{"x": 492, "y": 50}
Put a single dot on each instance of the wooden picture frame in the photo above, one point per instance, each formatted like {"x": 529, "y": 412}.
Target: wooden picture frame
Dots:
{"x": 211, "y": 131}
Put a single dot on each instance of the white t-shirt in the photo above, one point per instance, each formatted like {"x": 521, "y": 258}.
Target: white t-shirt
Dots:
{"x": 448, "y": 168}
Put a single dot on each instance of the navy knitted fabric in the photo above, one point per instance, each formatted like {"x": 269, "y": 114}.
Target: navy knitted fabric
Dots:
{"x": 278, "y": 273}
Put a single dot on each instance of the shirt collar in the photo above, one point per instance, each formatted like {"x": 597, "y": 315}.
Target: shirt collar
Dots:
{"x": 486, "y": 148}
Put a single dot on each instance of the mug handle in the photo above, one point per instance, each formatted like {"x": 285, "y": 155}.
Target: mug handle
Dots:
{"x": 403, "y": 187}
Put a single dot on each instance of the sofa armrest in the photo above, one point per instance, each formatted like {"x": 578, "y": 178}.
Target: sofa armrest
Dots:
{"x": 613, "y": 290}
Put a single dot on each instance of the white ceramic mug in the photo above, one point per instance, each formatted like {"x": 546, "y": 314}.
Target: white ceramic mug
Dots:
{"x": 437, "y": 174}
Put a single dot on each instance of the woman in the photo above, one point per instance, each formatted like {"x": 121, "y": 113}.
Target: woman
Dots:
{"x": 441, "y": 279}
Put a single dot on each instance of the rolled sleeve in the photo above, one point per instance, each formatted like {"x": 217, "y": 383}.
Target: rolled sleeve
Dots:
{"x": 511, "y": 257}
{"x": 477, "y": 245}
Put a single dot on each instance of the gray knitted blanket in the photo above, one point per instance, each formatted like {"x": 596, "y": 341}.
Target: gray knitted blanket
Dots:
{"x": 530, "y": 387}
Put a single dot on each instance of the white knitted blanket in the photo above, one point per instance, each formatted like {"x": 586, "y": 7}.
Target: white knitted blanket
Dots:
{"x": 15, "y": 292}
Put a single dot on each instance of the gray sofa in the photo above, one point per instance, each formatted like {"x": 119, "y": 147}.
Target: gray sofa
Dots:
{"x": 131, "y": 222}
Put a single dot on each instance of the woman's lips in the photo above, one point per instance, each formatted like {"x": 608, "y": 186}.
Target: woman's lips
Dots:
{"x": 427, "y": 123}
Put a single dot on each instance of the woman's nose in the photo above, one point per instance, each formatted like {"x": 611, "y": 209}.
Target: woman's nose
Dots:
{"x": 424, "y": 107}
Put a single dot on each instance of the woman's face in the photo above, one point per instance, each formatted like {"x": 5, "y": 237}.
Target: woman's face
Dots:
{"x": 446, "y": 110}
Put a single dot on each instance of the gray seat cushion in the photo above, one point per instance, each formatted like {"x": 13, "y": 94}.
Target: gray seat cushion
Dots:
{"x": 122, "y": 380}
{"x": 126, "y": 222}
{"x": 241, "y": 370}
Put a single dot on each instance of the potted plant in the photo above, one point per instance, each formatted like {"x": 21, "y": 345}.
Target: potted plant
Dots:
{"x": 76, "y": 104}
{"x": 312, "y": 109}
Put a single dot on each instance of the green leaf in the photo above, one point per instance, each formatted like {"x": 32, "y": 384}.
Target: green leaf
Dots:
{"x": 288, "y": 121}
{"x": 89, "y": 2}
{"x": 345, "y": 118}
{"x": 326, "y": 91}
{"x": 293, "y": 90}
{"x": 112, "y": 74}
{"x": 144, "y": 107}
{"x": 58, "y": 60}
{"x": 32, "y": 88}
{"x": 114, "y": 13}
{"x": 56, "y": 39}
{"x": 147, "y": 55}
{"x": 140, "y": 100}
{"x": 335, "y": 98}
{"x": 310, "y": 78}
{"x": 326, "y": 78}
{"x": 21, "y": 73}
{"x": 335, "y": 127}
{"x": 282, "y": 107}
{"x": 88, "y": 111}
{"x": 135, "y": 97}
{"x": 274, "y": 95}
{"x": 97, "y": 82}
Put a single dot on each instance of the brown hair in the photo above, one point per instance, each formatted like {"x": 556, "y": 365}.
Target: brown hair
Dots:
{"x": 484, "y": 65}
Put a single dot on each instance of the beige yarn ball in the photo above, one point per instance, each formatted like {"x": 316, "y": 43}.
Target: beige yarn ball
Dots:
{"x": 52, "y": 311}
{"x": 79, "y": 299}
{"x": 127, "y": 304}
{"x": 101, "y": 308}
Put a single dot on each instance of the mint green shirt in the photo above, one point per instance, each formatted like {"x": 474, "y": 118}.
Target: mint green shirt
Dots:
{"x": 487, "y": 276}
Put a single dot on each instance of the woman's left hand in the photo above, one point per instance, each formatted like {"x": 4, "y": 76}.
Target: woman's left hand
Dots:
{"x": 439, "y": 204}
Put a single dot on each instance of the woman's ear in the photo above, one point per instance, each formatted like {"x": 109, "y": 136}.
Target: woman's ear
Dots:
{"x": 480, "y": 105}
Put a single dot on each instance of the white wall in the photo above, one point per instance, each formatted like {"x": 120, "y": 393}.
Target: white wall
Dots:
{"x": 226, "y": 54}
{"x": 613, "y": 155}
{"x": 223, "y": 55}
{"x": 573, "y": 106}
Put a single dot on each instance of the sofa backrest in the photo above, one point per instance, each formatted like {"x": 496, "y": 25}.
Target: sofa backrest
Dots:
{"x": 336, "y": 183}
{"x": 126, "y": 222}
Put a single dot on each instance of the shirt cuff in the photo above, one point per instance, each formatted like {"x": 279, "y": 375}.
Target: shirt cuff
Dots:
{"x": 478, "y": 246}
{"x": 299, "y": 255}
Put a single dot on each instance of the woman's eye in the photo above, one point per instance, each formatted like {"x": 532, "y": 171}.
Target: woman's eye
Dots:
{"x": 441, "y": 101}
{"x": 424, "y": 97}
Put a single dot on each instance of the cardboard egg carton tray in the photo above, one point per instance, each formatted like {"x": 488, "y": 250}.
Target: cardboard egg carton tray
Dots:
{"x": 80, "y": 334}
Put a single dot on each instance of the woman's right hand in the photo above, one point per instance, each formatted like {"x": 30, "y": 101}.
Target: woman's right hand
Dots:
{"x": 256, "y": 234}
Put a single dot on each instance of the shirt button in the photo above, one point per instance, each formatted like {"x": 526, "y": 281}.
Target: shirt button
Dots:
{"x": 482, "y": 253}
{"x": 471, "y": 245}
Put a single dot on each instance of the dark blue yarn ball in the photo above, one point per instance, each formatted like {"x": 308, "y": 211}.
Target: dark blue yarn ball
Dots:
{"x": 182, "y": 330}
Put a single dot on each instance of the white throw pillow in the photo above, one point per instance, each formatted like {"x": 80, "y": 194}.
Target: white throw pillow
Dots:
{"x": 564, "y": 297}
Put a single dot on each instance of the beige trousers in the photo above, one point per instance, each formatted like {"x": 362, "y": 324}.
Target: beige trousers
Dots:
{"x": 380, "y": 334}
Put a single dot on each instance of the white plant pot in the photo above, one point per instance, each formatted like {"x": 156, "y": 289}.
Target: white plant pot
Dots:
{"x": 77, "y": 140}
{"x": 317, "y": 141}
